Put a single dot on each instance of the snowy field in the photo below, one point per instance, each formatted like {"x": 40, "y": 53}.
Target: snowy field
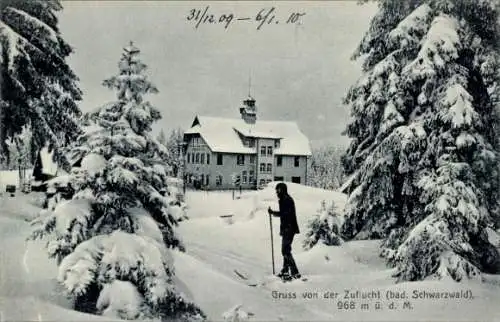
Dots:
{"x": 217, "y": 246}
{"x": 11, "y": 178}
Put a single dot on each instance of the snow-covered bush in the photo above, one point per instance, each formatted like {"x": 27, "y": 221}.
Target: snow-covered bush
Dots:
{"x": 38, "y": 199}
{"x": 324, "y": 227}
{"x": 179, "y": 211}
{"x": 236, "y": 314}
{"x": 326, "y": 170}
{"x": 123, "y": 300}
{"x": 112, "y": 238}
{"x": 58, "y": 189}
{"x": 423, "y": 159}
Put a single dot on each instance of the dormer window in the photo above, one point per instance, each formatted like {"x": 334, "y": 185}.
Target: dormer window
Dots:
{"x": 249, "y": 142}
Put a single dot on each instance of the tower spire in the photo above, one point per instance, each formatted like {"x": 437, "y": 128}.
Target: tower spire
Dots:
{"x": 249, "y": 84}
{"x": 249, "y": 111}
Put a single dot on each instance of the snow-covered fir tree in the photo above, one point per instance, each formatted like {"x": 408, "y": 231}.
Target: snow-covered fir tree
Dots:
{"x": 162, "y": 138}
{"x": 424, "y": 156}
{"x": 324, "y": 227}
{"x": 37, "y": 87}
{"x": 326, "y": 170}
{"x": 19, "y": 149}
{"x": 174, "y": 146}
{"x": 112, "y": 238}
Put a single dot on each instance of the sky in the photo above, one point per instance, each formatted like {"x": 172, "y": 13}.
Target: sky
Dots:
{"x": 296, "y": 71}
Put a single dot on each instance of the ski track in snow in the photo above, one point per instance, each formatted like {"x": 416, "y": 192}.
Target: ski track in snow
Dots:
{"x": 230, "y": 260}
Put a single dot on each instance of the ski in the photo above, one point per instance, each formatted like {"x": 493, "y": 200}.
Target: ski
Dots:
{"x": 264, "y": 281}
{"x": 291, "y": 279}
{"x": 240, "y": 275}
{"x": 245, "y": 278}
{"x": 252, "y": 282}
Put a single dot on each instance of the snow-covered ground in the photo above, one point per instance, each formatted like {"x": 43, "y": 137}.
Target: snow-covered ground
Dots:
{"x": 28, "y": 289}
{"x": 217, "y": 246}
{"x": 11, "y": 177}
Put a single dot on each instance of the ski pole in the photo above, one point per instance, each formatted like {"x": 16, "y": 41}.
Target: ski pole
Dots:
{"x": 272, "y": 244}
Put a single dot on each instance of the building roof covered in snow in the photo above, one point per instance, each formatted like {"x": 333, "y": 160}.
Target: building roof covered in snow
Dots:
{"x": 48, "y": 165}
{"x": 225, "y": 135}
{"x": 45, "y": 167}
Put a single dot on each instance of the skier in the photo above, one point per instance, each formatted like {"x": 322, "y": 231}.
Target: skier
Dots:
{"x": 288, "y": 228}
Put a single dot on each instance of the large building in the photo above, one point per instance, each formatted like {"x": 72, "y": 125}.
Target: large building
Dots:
{"x": 223, "y": 153}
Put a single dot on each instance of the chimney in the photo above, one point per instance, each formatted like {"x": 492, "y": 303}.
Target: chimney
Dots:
{"x": 249, "y": 111}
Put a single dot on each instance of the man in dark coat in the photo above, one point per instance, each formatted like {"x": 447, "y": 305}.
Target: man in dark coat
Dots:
{"x": 288, "y": 229}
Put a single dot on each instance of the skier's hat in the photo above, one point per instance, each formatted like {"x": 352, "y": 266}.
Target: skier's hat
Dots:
{"x": 281, "y": 186}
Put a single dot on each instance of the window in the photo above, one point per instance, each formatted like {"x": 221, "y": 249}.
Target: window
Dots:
{"x": 296, "y": 179}
{"x": 278, "y": 178}
{"x": 262, "y": 167}
{"x": 218, "y": 180}
{"x": 279, "y": 161}
{"x": 250, "y": 142}
{"x": 269, "y": 167}
{"x": 208, "y": 158}
{"x": 202, "y": 179}
{"x": 244, "y": 176}
{"x": 262, "y": 182}
{"x": 269, "y": 150}
{"x": 219, "y": 159}
{"x": 207, "y": 179}
{"x": 202, "y": 158}
{"x": 296, "y": 161}
{"x": 250, "y": 177}
{"x": 252, "y": 159}
{"x": 276, "y": 144}
{"x": 188, "y": 157}
{"x": 240, "y": 159}
{"x": 197, "y": 159}
{"x": 263, "y": 150}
